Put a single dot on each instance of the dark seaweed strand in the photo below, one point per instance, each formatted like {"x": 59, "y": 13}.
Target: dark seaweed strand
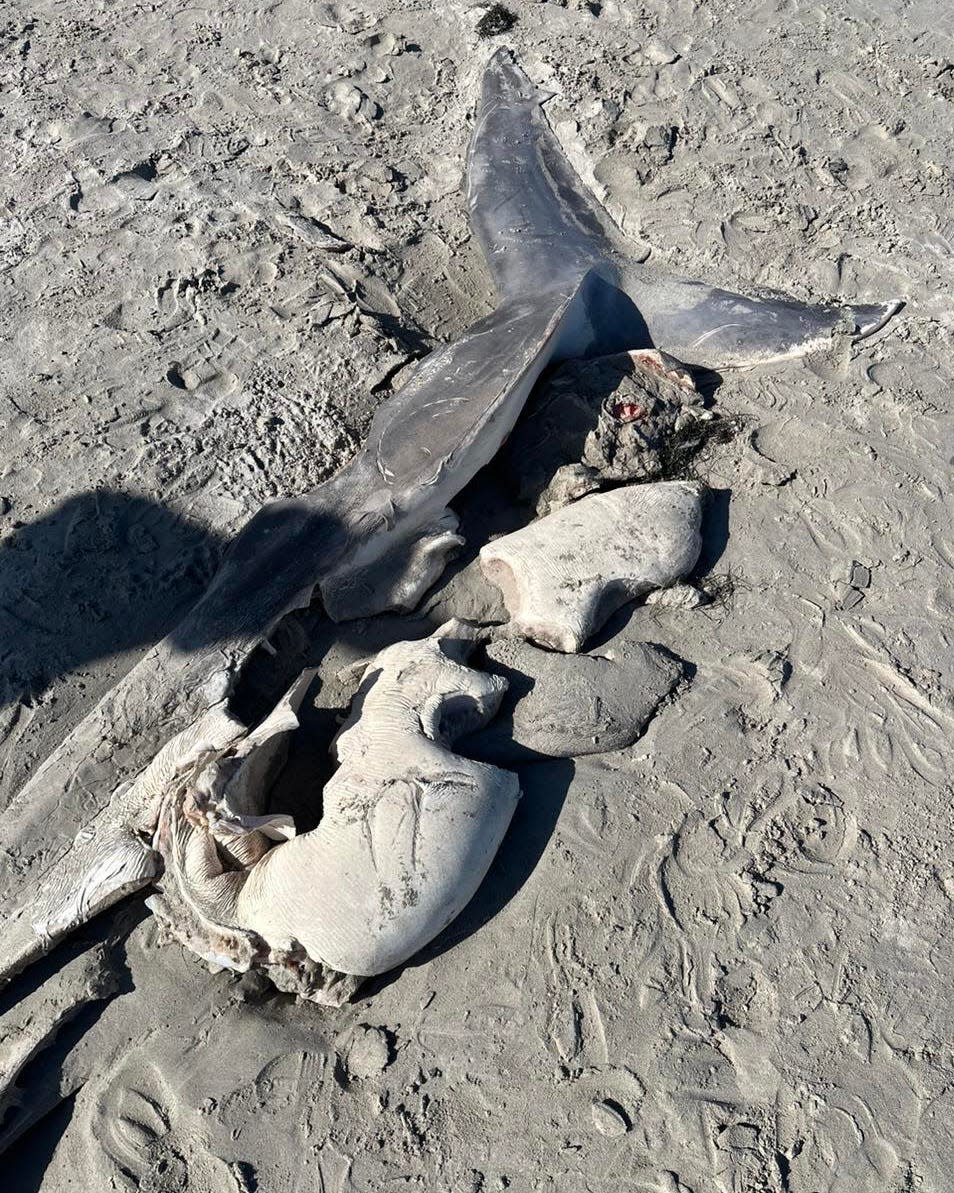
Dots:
{"x": 684, "y": 450}
{"x": 496, "y": 20}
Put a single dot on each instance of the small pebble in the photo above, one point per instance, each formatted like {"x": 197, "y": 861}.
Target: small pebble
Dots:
{"x": 677, "y": 596}
{"x": 860, "y": 575}
{"x": 370, "y": 1052}
{"x": 660, "y": 53}
{"x": 609, "y": 1119}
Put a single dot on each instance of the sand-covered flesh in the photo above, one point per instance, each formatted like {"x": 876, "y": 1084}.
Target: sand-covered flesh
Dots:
{"x": 719, "y": 960}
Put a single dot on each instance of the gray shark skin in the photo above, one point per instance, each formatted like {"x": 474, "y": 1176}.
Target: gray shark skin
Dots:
{"x": 84, "y": 833}
{"x": 537, "y": 223}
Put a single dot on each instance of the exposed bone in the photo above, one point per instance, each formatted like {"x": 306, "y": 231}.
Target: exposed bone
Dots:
{"x": 408, "y": 832}
{"x": 398, "y": 581}
{"x": 564, "y": 706}
{"x": 564, "y": 575}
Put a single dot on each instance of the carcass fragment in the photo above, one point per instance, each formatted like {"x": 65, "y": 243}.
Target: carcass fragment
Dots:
{"x": 599, "y": 421}
{"x": 408, "y": 831}
{"x": 564, "y": 575}
{"x": 112, "y": 855}
{"x": 397, "y": 581}
{"x": 70, "y": 842}
{"x": 564, "y": 706}
{"x": 32, "y": 1025}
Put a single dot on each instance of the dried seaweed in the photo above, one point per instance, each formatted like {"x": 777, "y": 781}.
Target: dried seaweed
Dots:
{"x": 689, "y": 446}
{"x": 496, "y": 20}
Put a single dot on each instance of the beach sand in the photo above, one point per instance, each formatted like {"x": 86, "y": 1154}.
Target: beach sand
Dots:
{"x": 718, "y": 961}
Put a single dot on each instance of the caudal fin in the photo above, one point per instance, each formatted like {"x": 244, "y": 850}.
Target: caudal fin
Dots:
{"x": 539, "y": 225}
{"x": 536, "y": 221}
{"x": 716, "y": 329}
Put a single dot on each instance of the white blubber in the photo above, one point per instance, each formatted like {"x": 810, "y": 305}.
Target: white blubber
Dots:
{"x": 564, "y": 575}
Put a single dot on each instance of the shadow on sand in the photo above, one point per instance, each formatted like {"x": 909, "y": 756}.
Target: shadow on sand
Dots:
{"x": 102, "y": 573}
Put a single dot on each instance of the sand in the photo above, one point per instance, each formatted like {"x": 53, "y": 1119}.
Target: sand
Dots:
{"x": 719, "y": 960}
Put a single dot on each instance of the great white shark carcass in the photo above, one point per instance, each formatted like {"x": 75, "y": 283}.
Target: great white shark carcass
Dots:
{"x": 567, "y": 288}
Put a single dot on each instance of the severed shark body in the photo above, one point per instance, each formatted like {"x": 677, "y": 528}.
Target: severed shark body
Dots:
{"x": 85, "y": 831}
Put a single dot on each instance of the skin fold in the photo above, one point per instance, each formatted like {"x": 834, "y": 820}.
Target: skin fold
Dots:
{"x": 408, "y": 831}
